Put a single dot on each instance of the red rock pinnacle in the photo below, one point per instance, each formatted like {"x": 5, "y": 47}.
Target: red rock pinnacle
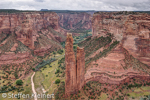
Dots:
{"x": 74, "y": 68}
{"x": 70, "y": 81}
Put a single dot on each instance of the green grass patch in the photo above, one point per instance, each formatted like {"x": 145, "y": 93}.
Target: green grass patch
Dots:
{"x": 133, "y": 94}
{"x": 46, "y": 77}
{"x": 103, "y": 96}
{"x": 145, "y": 87}
{"x": 137, "y": 90}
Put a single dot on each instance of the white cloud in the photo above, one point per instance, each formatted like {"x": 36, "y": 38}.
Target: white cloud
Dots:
{"x": 107, "y": 5}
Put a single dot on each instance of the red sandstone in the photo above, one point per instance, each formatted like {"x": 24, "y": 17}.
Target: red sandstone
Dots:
{"x": 75, "y": 69}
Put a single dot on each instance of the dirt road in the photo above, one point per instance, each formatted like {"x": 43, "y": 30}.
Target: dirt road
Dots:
{"x": 33, "y": 89}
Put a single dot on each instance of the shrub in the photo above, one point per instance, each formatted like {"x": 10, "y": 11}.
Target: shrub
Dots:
{"x": 33, "y": 69}
{"x": 54, "y": 52}
{"x": 78, "y": 95}
{"x": 16, "y": 75}
{"x": 19, "y": 82}
{"x": 57, "y": 75}
{"x": 58, "y": 70}
{"x": 60, "y": 51}
{"x": 57, "y": 81}
{"x": 92, "y": 97}
{"x": 74, "y": 47}
{"x": 133, "y": 98}
{"x": 77, "y": 37}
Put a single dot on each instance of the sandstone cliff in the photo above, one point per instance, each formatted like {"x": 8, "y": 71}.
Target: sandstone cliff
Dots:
{"x": 123, "y": 54}
{"x": 75, "y": 20}
{"x": 70, "y": 61}
{"x": 131, "y": 29}
{"x": 80, "y": 59}
{"x": 75, "y": 67}
{"x": 33, "y": 32}
{"x": 116, "y": 68}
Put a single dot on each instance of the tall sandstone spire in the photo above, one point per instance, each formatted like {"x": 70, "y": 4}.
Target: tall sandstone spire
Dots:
{"x": 80, "y": 67}
{"x": 70, "y": 81}
{"x": 75, "y": 67}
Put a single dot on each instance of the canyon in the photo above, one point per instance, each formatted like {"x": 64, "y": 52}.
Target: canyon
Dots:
{"x": 131, "y": 57}
{"x": 132, "y": 30}
{"x": 75, "y": 20}
{"x": 117, "y": 51}
{"x": 28, "y": 34}
{"x": 37, "y": 33}
{"x": 127, "y": 53}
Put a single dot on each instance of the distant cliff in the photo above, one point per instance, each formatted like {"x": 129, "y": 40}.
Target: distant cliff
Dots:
{"x": 75, "y": 20}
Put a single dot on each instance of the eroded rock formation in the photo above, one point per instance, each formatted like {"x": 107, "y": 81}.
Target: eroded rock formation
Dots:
{"x": 131, "y": 29}
{"x": 75, "y": 67}
{"x": 26, "y": 25}
{"x": 29, "y": 32}
{"x": 115, "y": 68}
{"x": 75, "y": 20}
{"x": 130, "y": 58}
{"x": 80, "y": 59}
{"x": 70, "y": 61}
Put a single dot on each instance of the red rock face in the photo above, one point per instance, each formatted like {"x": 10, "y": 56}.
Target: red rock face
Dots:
{"x": 70, "y": 81}
{"x": 132, "y": 30}
{"x": 75, "y": 69}
{"x": 27, "y": 25}
{"x": 120, "y": 65}
{"x": 10, "y": 58}
{"x": 80, "y": 67}
{"x": 38, "y": 31}
{"x": 115, "y": 68}
{"x": 75, "y": 20}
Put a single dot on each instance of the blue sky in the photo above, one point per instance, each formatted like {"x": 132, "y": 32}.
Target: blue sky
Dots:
{"x": 107, "y": 5}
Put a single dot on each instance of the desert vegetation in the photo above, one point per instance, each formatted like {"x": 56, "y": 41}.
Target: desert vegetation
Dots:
{"x": 51, "y": 74}
{"x": 95, "y": 90}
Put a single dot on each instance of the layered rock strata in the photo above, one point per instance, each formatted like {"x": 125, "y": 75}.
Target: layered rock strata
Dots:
{"x": 75, "y": 20}
{"x": 26, "y": 25}
{"x": 28, "y": 33}
{"x": 75, "y": 67}
{"x": 80, "y": 59}
{"x": 131, "y": 29}
{"x": 116, "y": 67}
{"x": 70, "y": 61}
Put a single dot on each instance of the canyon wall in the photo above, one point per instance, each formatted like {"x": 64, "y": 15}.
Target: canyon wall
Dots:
{"x": 75, "y": 67}
{"x": 116, "y": 67}
{"x": 128, "y": 59}
{"x": 32, "y": 32}
{"x": 75, "y": 20}
{"x": 26, "y": 25}
{"x": 130, "y": 28}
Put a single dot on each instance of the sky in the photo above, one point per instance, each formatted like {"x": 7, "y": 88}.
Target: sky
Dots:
{"x": 98, "y": 5}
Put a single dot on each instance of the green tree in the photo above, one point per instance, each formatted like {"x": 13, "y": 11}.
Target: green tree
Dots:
{"x": 54, "y": 53}
{"x": 57, "y": 81}
{"x": 19, "y": 82}
{"x": 57, "y": 71}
